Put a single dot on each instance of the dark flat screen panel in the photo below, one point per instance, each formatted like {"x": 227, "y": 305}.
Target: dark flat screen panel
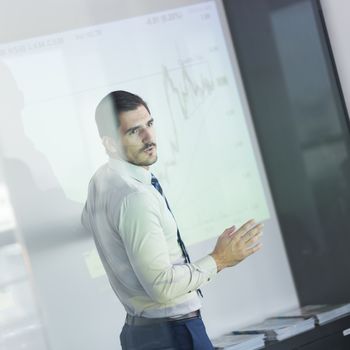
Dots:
{"x": 303, "y": 131}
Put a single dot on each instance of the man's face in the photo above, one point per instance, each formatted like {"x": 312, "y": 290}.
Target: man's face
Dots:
{"x": 137, "y": 137}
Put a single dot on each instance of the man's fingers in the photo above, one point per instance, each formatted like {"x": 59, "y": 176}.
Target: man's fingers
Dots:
{"x": 253, "y": 249}
{"x": 256, "y": 231}
{"x": 253, "y": 240}
{"x": 232, "y": 231}
{"x": 229, "y": 231}
{"x": 245, "y": 228}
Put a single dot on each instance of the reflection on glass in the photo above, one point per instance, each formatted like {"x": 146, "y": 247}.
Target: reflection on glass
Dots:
{"x": 7, "y": 219}
{"x": 20, "y": 324}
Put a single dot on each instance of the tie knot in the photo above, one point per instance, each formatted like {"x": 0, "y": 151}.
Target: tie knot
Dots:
{"x": 153, "y": 179}
{"x": 155, "y": 183}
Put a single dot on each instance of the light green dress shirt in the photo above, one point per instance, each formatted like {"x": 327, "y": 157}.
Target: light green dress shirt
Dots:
{"x": 136, "y": 238}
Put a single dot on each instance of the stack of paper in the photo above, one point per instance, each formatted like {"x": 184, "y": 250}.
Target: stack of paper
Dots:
{"x": 276, "y": 328}
{"x": 321, "y": 313}
{"x": 239, "y": 342}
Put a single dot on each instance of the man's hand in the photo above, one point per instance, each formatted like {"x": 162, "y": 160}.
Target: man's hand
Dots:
{"x": 233, "y": 245}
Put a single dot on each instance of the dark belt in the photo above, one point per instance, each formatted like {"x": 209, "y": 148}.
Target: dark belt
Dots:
{"x": 143, "y": 321}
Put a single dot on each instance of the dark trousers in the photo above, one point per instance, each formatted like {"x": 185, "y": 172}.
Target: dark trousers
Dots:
{"x": 187, "y": 334}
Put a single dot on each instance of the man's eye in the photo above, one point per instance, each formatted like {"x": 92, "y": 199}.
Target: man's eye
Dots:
{"x": 150, "y": 123}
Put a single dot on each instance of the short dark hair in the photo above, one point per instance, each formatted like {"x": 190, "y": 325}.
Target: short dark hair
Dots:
{"x": 108, "y": 110}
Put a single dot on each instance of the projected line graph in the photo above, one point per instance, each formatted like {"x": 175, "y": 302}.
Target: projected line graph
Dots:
{"x": 187, "y": 88}
{"x": 185, "y": 93}
{"x": 188, "y": 92}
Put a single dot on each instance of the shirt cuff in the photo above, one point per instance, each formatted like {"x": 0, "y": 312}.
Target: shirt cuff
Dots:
{"x": 207, "y": 265}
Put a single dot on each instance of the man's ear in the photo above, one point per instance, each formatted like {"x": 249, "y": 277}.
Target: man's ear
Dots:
{"x": 110, "y": 144}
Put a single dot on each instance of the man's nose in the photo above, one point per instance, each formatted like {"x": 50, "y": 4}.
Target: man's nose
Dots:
{"x": 146, "y": 135}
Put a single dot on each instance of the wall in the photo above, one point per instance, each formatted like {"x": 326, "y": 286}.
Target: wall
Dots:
{"x": 338, "y": 27}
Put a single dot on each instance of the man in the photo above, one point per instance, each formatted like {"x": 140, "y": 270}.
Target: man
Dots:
{"x": 138, "y": 240}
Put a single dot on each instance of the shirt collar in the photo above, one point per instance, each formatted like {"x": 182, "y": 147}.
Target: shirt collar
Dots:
{"x": 135, "y": 171}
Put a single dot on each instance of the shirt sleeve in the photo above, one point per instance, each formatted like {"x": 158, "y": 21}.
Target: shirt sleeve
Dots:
{"x": 147, "y": 249}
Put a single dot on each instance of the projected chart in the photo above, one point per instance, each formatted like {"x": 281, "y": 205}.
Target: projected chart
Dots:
{"x": 178, "y": 62}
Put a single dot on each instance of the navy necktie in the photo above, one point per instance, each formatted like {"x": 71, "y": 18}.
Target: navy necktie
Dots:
{"x": 158, "y": 187}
